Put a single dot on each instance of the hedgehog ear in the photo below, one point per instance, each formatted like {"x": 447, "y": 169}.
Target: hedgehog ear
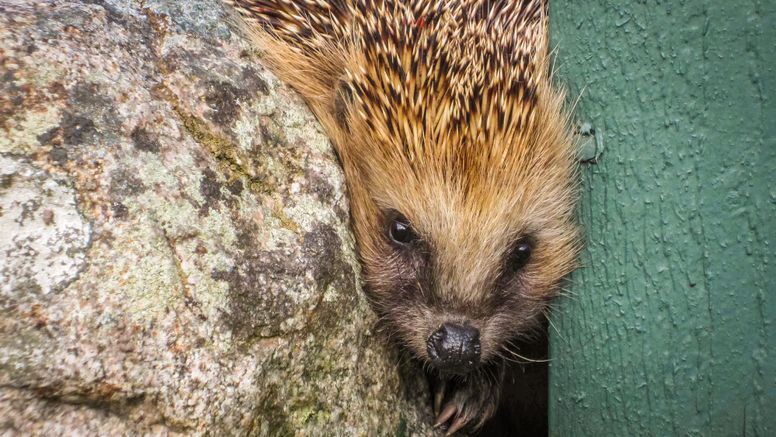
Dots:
{"x": 343, "y": 99}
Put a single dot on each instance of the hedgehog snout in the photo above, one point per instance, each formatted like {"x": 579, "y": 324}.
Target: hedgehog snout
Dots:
{"x": 454, "y": 348}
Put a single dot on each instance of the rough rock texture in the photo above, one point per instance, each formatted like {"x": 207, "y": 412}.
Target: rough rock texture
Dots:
{"x": 175, "y": 255}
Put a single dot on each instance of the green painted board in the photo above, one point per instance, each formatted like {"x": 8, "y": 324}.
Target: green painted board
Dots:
{"x": 669, "y": 328}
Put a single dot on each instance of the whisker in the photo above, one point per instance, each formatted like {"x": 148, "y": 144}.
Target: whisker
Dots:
{"x": 510, "y": 359}
{"x": 529, "y": 360}
{"x": 555, "y": 328}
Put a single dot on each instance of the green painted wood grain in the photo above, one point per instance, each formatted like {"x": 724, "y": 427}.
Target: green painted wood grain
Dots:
{"x": 669, "y": 329}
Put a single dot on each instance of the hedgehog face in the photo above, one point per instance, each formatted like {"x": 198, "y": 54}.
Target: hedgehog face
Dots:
{"x": 460, "y": 259}
{"x": 462, "y": 192}
{"x": 462, "y": 207}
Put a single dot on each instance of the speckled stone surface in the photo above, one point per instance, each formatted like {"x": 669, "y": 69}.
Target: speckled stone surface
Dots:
{"x": 175, "y": 256}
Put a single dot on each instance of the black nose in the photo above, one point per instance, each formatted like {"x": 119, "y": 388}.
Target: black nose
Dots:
{"x": 454, "y": 348}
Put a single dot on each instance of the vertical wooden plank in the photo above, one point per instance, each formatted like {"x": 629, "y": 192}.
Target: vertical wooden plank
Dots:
{"x": 669, "y": 329}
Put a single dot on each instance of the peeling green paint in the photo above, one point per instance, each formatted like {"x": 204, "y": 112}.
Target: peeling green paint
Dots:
{"x": 668, "y": 327}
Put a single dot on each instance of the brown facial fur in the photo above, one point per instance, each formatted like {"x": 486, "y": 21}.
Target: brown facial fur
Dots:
{"x": 444, "y": 113}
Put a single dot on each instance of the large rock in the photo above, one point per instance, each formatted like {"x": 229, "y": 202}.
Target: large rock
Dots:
{"x": 175, "y": 255}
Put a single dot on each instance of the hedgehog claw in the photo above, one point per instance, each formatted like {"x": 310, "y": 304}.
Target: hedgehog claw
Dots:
{"x": 439, "y": 396}
{"x": 445, "y": 415}
{"x": 464, "y": 404}
{"x": 457, "y": 425}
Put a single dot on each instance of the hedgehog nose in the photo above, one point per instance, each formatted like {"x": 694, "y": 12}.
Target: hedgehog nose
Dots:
{"x": 454, "y": 348}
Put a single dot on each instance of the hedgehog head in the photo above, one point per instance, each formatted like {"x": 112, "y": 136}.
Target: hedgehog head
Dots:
{"x": 461, "y": 178}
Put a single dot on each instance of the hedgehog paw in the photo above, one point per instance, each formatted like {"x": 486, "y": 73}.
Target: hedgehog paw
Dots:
{"x": 465, "y": 404}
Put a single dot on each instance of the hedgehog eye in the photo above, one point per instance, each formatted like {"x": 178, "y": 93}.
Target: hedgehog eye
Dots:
{"x": 400, "y": 231}
{"x": 520, "y": 255}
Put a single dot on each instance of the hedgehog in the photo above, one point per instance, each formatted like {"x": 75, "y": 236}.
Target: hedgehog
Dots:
{"x": 459, "y": 167}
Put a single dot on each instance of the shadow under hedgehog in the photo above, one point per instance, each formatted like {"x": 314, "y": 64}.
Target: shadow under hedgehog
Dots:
{"x": 459, "y": 166}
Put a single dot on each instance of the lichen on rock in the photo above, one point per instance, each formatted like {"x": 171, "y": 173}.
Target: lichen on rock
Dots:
{"x": 175, "y": 256}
